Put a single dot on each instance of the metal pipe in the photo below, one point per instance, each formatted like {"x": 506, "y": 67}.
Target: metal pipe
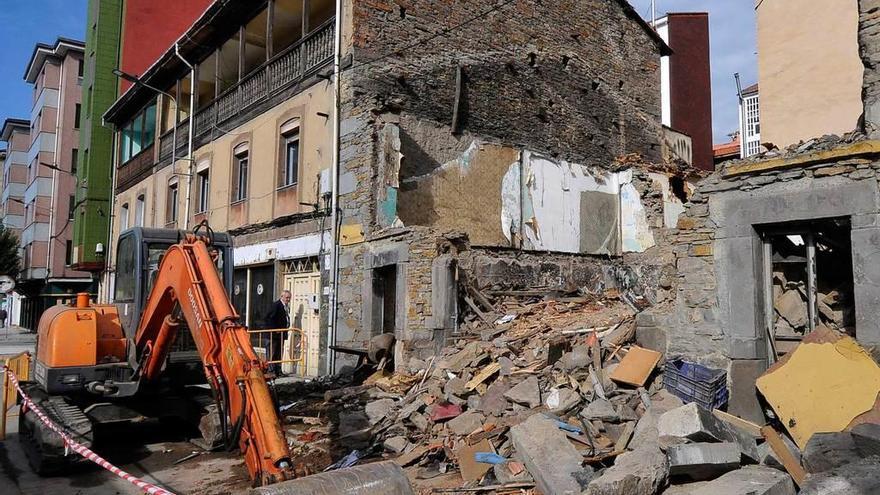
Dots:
{"x": 334, "y": 215}
{"x": 189, "y": 145}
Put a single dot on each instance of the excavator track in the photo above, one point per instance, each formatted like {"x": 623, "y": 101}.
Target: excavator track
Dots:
{"x": 45, "y": 448}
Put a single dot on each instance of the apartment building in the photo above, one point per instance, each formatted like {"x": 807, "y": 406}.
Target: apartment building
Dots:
{"x": 809, "y": 69}
{"x": 125, "y": 34}
{"x": 481, "y": 149}
{"x": 55, "y": 71}
{"x": 16, "y": 134}
{"x": 262, "y": 114}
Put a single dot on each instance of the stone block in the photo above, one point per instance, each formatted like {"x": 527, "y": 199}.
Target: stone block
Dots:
{"x": 743, "y": 400}
{"x": 826, "y": 451}
{"x": 703, "y": 461}
{"x": 867, "y": 439}
{"x": 858, "y": 478}
{"x": 550, "y": 458}
{"x": 694, "y": 423}
{"x": 466, "y": 423}
{"x": 640, "y": 472}
{"x": 601, "y": 410}
{"x": 527, "y": 392}
{"x": 653, "y": 338}
{"x": 750, "y": 480}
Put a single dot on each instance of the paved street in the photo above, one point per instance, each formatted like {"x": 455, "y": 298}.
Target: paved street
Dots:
{"x": 14, "y": 340}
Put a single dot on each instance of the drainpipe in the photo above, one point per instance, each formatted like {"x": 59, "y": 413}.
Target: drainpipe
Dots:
{"x": 334, "y": 204}
{"x": 52, "y": 202}
{"x": 189, "y": 146}
{"x": 742, "y": 117}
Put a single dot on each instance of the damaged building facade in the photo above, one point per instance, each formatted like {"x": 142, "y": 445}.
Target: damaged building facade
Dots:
{"x": 513, "y": 154}
{"x": 501, "y": 151}
{"x": 776, "y": 246}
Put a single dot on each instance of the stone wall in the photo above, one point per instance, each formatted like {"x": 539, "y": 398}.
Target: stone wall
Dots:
{"x": 718, "y": 315}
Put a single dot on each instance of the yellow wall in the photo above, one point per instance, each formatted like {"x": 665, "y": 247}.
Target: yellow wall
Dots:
{"x": 810, "y": 74}
{"x": 265, "y": 200}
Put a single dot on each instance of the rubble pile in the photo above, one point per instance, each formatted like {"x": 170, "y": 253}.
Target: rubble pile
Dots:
{"x": 547, "y": 394}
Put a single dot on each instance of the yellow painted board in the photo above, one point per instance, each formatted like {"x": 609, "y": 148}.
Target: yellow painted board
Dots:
{"x": 821, "y": 387}
{"x": 351, "y": 234}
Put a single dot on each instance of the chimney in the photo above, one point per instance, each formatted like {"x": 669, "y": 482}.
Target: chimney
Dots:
{"x": 869, "y": 50}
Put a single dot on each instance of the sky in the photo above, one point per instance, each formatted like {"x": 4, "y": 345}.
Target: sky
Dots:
{"x": 731, "y": 24}
{"x": 733, "y": 48}
{"x": 26, "y": 23}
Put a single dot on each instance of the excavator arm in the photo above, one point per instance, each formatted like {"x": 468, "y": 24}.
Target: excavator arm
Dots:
{"x": 188, "y": 278}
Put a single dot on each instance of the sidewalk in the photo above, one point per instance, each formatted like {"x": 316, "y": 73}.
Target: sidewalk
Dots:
{"x": 15, "y": 339}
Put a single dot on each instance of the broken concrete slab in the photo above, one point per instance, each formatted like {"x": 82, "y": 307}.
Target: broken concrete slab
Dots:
{"x": 467, "y": 423}
{"x": 867, "y": 438}
{"x": 527, "y": 392}
{"x": 826, "y": 451}
{"x": 749, "y": 480}
{"x": 550, "y": 458}
{"x": 601, "y": 410}
{"x": 703, "y": 461}
{"x": 646, "y": 432}
{"x": 561, "y": 400}
{"x": 493, "y": 402}
{"x": 694, "y": 423}
{"x": 743, "y": 401}
{"x": 858, "y": 478}
{"x": 378, "y": 410}
{"x": 578, "y": 358}
{"x": 396, "y": 444}
{"x": 641, "y": 472}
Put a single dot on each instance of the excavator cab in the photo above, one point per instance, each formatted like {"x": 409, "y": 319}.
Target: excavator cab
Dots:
{"x": 140, "y": 251}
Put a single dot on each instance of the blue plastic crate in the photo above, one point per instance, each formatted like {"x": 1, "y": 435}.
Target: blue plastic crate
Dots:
{"x": 693, "y": 382}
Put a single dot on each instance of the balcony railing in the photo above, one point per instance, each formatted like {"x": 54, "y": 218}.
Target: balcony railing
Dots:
{"x": 291, "y": 66}
{"x": 135, "y": 169}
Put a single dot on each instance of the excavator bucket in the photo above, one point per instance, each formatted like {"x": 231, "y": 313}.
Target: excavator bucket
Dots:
{"x": 381, "y": 478}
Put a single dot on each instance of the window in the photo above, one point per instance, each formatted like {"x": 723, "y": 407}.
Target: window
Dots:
{"x": 173, "y": 197}
{"x": 80, "y": 69}
{"x": 71, "y": 207}
{"x": 123, "y": 217}
{"x": 287, "y": 24}
{"x": 125, "y": 269}
{"x": 139, "y": 207}
{"x": 290, "y": 157}
{"x": 74, "y": 158}
{"x": 203, "y": 182}
{"x": 77, "y": 116}
{"x": 255, "y": 42}
{"x": 240, "y": 173}
{"x": 68, "y": 253}
{"x": 139, "y": 133}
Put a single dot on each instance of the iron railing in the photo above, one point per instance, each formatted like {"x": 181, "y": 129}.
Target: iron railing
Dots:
{"x": 291, "y": 66}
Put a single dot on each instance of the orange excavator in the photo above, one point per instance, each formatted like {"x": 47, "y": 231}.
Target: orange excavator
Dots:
{"x": 100, "y": 365}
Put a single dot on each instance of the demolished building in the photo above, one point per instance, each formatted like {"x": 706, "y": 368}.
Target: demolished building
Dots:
{"x": 520, "y": 152}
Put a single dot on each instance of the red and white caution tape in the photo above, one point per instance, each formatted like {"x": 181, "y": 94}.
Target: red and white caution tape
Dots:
{"x": 81, "y": 449}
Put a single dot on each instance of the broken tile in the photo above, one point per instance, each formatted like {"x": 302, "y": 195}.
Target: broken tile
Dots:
{"x": 440, "y": 412}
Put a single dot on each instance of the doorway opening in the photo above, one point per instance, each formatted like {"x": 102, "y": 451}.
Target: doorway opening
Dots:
{"x": 808, "y": 281}
{"x": 384, "y": 299}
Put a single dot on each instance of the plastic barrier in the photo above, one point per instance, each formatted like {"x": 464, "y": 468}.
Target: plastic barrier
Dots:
{"x": 78, "y": 447}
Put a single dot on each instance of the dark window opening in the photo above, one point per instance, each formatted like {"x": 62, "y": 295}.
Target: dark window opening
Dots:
{"x": 810, "y": 280}
{"x": 74, "y": 159}
{"x": 71, "y": 207}
{"x": 676, "y": 184}
{"x": 77, "y": 116}
{"x": 384, "y": 299}
{"x": 68, "y": 253}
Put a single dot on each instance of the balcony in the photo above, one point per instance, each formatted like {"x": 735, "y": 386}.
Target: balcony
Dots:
{"x": 136, "y": 169}
{"x": 290, "y": 67}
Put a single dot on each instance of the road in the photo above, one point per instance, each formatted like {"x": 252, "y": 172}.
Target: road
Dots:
{"x": 147, "y": 450}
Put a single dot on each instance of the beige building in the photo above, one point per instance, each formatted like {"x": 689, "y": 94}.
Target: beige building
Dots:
{"x": 808, "y": 68}
{"x": 263, "y": 120}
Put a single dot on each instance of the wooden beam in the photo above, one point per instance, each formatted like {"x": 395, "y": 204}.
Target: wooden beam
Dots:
{"x": 270, "y": 21}
{"x": 789, "y": 462}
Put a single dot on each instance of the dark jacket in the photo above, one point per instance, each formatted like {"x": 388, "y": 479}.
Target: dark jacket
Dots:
{"x": 277, "y": 316}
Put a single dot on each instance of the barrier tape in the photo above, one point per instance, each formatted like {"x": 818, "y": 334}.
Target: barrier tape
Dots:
{"x": 70, "y": 443}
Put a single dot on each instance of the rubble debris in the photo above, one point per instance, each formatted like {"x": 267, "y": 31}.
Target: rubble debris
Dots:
{"x": 826, "y": 451}
{"x": 692, "y": 422}
{"x": 381, "y": 477}
{"x": 471, "y": 468}
{"x": 857, "y": 478}
{"x": 378, "y": 410}
{"x": 466, "y": 423}
{"x": 703, "y": 461}
{"x": 549, "y": 456}
{"x": 527, "y": 393}
{"x": 749, "y": 480}
{"x": 635, "y": 368}
{"x": 789, "y": 461}
{"x": 641, "y": 472}
{"x": 799, "y": 386}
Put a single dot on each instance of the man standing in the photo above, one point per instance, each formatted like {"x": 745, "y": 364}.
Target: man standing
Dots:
{"x": 277, "y": 318}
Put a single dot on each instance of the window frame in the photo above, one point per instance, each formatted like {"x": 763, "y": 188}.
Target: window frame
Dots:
{"x": 123, "y": 217}
{"x": 172, "y": 200}
{"x": 240, "y": 173}
{"x": 136, "y": 132}
{"x": 288, "y": 137}
{"x": 203, "y": 199}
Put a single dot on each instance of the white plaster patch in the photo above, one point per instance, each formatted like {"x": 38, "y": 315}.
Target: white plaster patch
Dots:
{"x": 511, "y": 211}
{"x": 636, "y": 233}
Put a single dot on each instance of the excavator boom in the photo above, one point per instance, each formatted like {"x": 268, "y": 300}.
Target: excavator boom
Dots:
{"x": 188, "y": 278}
